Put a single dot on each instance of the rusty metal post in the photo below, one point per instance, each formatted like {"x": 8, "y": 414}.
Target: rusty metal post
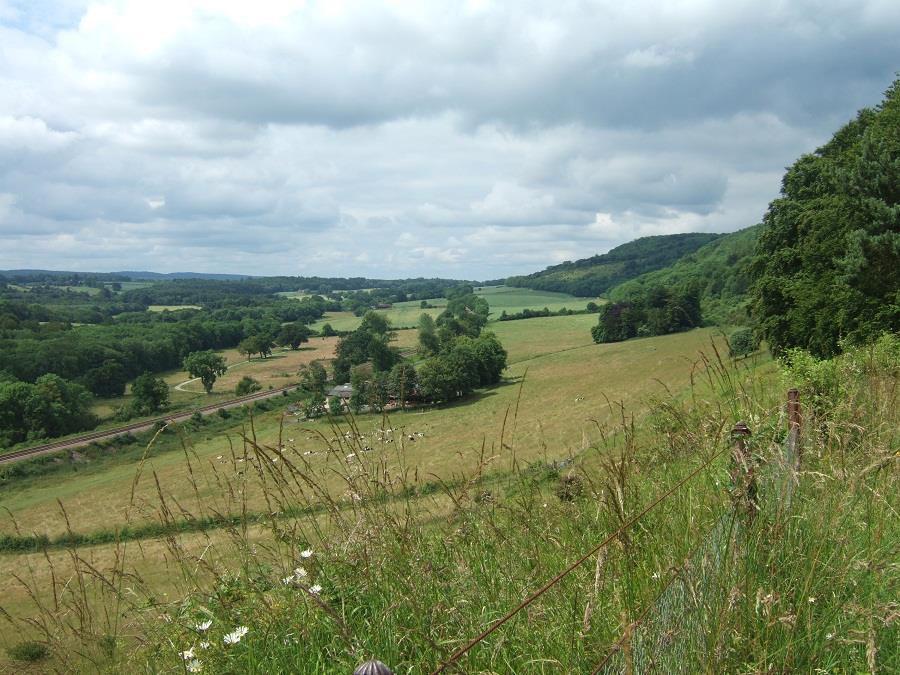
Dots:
{"x": 743, "y": 472}
{"x": 794, "y": 422}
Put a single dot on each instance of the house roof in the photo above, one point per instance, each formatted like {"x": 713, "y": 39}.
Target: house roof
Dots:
{"x": 342, "y": 390}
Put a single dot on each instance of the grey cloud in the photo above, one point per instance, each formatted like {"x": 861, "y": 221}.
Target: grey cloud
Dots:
{"x": 410, "y": 140}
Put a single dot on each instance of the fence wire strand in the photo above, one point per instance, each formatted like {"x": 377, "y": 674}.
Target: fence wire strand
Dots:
{"x": 462, "y": 651}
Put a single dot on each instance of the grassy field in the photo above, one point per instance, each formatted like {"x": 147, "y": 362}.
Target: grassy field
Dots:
{"x": 557, "y": 386}
{"x": 278, "y": 370}
{"x": 500, "y": 298}
{"x": 556, "y": 390}
{"x": 806, "y": 583}
{"x": 170, "y": 308}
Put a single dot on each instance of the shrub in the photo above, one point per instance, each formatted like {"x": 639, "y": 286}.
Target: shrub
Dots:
{"x": 742, "y": 342}
{"x": 223, "y": 413}
{"x": 570, "y": 487}
{"x": 28, "y": 651}
{"x": 247, "y": 385}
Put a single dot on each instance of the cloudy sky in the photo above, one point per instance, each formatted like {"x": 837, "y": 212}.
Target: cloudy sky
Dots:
{"x": 468, "y": 139}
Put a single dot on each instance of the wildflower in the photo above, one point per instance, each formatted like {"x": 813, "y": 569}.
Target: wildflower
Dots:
{"x": 194, "y": 666}
{"x": 287, "y": 581}
{"x": 204, "y": 625}
{"x": 811, "y": 600}
{"x": 829, "y": 636}
{"x": 315, "y": 589}
{"x": 306, "y": 554}
{"x": 300, "y": 573}
{"x": 188, "y": 654}
{"x": 235, "y": 636}
{"x": 204, "y": 645}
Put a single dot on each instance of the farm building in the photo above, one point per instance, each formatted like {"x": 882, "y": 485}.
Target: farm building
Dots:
{"x": 342, "y": 391}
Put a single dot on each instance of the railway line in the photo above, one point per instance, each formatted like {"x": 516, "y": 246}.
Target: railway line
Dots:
{"x": 144, "y": 425}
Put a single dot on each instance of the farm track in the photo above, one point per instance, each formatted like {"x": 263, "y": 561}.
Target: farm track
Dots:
{"x": 86, "y": 439}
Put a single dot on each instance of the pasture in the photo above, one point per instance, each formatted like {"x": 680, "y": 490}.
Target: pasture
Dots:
{"x": 278, "y": 370}
{"x": 500, "y": 298}
{"x": 557, "y": 394}
{"x": 170, "y": 308}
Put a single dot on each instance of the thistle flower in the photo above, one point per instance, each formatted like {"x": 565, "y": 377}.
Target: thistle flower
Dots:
{"x": 235, "y": 636}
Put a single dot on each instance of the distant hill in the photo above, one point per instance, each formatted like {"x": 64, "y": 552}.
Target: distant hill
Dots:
{"x": 721, "y": 269}
{"x": 36, "y": 275}
{"x": 593, "y": 276}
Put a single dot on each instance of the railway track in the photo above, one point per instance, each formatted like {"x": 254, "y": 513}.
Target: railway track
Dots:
{"x": 86, "y": 439}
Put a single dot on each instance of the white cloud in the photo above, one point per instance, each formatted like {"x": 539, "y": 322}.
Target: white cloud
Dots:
{"x": 395, "y": 138}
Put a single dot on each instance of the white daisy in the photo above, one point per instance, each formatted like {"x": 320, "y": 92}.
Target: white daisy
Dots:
{"x": 300, "y": 573}
{"x": 306, "y": 554}
{"x": 204, "y": 645}
{"x": 315, "y": 589}
{"x": 188, "y": 654}
{"x": 235, "y": 636}
{"x": 204, "y": 625}
{"x": 194, "y": 666}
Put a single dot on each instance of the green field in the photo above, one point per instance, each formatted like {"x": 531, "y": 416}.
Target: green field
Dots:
{"x": 567, "y": 380}
{"x": 500, "y": 298}
{"x": 170, "y": 308}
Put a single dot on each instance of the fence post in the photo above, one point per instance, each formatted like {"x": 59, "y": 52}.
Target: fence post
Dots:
{"x": 794, "y": 422}
{"x": 743, "y": 474}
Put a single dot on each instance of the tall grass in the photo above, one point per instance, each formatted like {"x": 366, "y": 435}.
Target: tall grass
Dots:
{"x": 407, "y": 568}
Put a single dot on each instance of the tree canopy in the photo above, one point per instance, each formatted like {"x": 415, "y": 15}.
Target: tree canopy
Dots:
{"x": 827, "y": 264}
{"x": 207, "y": 365}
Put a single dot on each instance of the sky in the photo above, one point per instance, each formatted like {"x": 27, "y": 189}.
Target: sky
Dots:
{"x": 470, "y": 139}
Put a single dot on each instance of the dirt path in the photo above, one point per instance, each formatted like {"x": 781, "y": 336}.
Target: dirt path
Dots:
{"x": 179, "y": 387}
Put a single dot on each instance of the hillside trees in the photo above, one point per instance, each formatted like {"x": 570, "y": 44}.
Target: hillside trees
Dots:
{"x": 207, "y": 365}
{"x": 827, "y": 264}
{"x": 655, "y": 310}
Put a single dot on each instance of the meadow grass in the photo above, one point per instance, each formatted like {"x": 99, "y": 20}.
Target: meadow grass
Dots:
{"x": 500, "y": 298}
{"x": 409, "y": 580}
{"x": 411, "y": 558}
{"x": 558, "y": 397}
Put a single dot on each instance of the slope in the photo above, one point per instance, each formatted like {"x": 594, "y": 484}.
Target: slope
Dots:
{"x": 592, "y": 276}
{"x": 721, "y": 268}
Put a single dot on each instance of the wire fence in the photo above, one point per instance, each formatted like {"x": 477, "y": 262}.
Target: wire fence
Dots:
{"x": 670, "y": 635}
